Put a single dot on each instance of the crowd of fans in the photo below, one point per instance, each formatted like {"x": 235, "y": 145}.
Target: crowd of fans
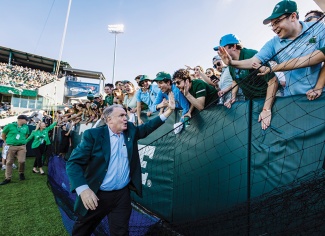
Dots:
{"x": 223, "y": 83}
{"x": 227, "y": 81}
{"x": 24, "y": 77}
{"x": 232, "y": 76}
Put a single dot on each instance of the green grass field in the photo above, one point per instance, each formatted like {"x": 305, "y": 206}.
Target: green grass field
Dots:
{"x": 28, "y": 207}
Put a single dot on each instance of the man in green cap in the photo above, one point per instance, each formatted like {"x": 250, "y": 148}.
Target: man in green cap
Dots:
{"x": 146, "y": 94}
{"x": 293, "y": 39}
{"x": 15, "y": 135}
{"x": 164, "y": 81}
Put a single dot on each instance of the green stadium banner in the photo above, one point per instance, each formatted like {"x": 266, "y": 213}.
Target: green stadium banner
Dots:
{"x": 18, "y": 91}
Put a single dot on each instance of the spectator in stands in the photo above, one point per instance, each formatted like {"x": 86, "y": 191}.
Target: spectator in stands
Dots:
{"x": 100, "y": 103}
{"x": 120, "y": 86}
{"x": 65, "y": 141}
{"x": 47, "y": 119}
{"x": 76, "y": 114}
{"x": 313, "y": 15}
{"x": 218, "y": 63}
{"x": 137, "y": 79}
{"x": 164, "y": 81}
{"x": 211, "y": 71}
{"x": 197, "y": 92}
{"x": 24, "y": 77}
{"x": 251, "y": 85}
{"x": 146, "y": 94}
{"x": 213, "y": 77}
{"x": 210, "y": 79}
{"x": 225, "y": 81}
{"x": 40, "y": 137}
{"x": 109, "y": 98}
{"x": 285, "y": 23}
{"x": 197, "y": 72}
{"x": 33, "y": 119}
{"x": 130, "y": 100}
{"x": 90, "y": 112}
{"x": 15, "y": 135}
{"x": 118, "y": 96}
{"x": 309, "y": 60}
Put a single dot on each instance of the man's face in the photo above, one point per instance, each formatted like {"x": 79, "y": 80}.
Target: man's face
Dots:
{"x": 21, "y": 121}
{"x": 164, "y": 87}
{"x": 179, "y": 84}
{"x": 117, "y": 121}
{"x": 146, "y": 84}
{"x": 311, "y": 17}
{"x": 218, "y": 64}
{"x": 231, "y": 51}
{"x": 282, "y": 27}
{"x": 120, "y": 85}
{"x": 108, "y": 90}
{"x": 99, "y": 98}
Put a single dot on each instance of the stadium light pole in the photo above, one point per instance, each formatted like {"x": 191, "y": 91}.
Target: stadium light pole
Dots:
{"x": 115, "y": 29}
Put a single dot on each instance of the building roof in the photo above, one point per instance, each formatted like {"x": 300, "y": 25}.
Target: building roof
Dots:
{"x": 84, "y": 73}
{"x": 30, "y": 60}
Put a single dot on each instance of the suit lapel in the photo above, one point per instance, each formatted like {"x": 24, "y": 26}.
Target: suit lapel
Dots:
{"x": 106, "y": 144}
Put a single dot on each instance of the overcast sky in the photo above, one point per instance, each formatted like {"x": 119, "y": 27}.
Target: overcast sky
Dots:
{"x": 159, "y": 35}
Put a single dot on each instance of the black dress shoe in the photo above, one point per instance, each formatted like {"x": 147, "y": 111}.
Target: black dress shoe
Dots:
{"x": 21, "y": 176}
{"x": 6, "y": 181}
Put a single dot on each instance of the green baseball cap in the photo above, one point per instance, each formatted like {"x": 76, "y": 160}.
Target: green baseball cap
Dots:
{"x": 162, "y": 76}
{"x": 283, "y": 7}
{"x": 143, "y": 78}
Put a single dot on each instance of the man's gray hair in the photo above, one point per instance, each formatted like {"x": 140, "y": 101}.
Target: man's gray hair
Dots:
{"x": 109, "y": 110}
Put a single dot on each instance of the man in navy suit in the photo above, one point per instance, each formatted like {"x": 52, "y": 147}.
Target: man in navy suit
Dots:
{"x": 105, "y": 166}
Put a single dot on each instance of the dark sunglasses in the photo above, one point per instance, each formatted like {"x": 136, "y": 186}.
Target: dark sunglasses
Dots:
{"x": 311, "y": 17}
{"x": 178, "y": 82}
{"x": 217, "y": 64}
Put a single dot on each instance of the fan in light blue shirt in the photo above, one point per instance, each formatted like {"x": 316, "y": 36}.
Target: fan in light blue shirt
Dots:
{"x": 165, "y": 84}
{"x": 146, "y": 94}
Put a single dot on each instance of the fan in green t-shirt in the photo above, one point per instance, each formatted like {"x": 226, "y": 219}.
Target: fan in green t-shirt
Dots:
{"x": 196, "y": 91}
